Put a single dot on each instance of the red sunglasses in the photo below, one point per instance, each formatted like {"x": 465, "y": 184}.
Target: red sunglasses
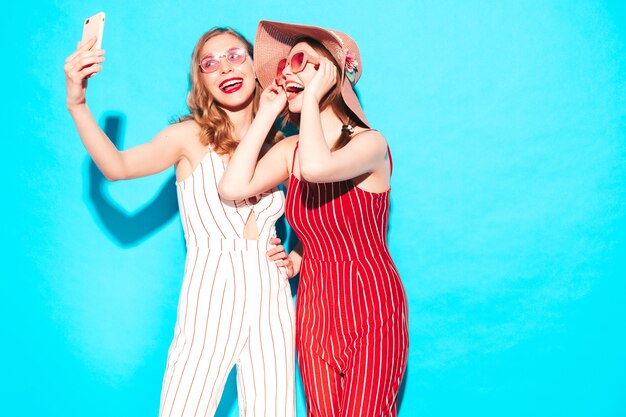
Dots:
{"x": 297, "y": 63}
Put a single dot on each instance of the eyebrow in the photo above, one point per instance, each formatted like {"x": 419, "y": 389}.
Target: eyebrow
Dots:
{"x": 295, "y": 51}
{"x": 226, "y": 51}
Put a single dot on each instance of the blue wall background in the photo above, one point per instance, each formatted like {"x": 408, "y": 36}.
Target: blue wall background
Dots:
{"x": 507, "y": 123}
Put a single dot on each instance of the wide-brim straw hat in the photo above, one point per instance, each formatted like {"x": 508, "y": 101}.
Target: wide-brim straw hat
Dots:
{"x": 274, "y": 40}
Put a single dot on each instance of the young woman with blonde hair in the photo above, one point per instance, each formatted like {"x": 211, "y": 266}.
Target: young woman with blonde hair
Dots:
{"x": 235, "y": 305}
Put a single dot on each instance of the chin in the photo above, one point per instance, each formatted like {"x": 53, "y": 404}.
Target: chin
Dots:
{"x": 236, "y": 101}
{"x": 295, "y": 106}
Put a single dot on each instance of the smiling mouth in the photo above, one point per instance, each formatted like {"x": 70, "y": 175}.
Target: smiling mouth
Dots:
{"x": 231, "y": 85}
{"x": 292, "y": 89}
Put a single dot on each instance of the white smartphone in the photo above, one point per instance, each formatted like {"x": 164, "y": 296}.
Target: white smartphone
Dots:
{"x": 94, "y": 26}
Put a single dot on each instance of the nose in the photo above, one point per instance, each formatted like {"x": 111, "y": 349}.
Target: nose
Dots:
{"x": 287, "y": 70}
{"x": 281, "y": 78}
{"x": 225, "y": 65}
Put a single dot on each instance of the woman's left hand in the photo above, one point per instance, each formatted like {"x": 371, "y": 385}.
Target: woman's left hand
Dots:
{"x": 323, "y": 80}
{"x": 280, "y": 257}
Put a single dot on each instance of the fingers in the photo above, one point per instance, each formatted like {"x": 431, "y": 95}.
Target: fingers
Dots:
{"x": 82, "y": 46}
{"x": 87, "y": 44}
{"x": 271, "y": 92}
{"x": 324, "y": 80}
{"x": 327, "y": 69}
{"x": 278, "y": 256}
{"x": 274, "y": 92}
{"x": 83, "y": 64}
{"x": 273, "y": 87}
{"x": 288, "y": 266}
{"x": 80, "y": 59}
{"x": 277, "y": 253}
{"x": 290, "y": 270}
{"x": 77, "y": 74}
{"x": 273, "y": 100}
{"x": 90, "y": 71}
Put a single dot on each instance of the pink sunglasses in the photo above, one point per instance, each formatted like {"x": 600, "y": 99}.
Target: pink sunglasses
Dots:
{"x": 297, "y": 63}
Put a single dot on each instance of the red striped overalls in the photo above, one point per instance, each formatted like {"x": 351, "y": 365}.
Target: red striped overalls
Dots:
{"x": 351, "y": 308}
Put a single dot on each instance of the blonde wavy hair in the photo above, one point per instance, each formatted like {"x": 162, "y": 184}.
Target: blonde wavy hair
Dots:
{"x": 216, "y": 129}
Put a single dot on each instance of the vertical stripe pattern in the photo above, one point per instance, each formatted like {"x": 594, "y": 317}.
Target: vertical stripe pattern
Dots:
{"x": 351, "y": 324}
{"x": 235, "y": 306}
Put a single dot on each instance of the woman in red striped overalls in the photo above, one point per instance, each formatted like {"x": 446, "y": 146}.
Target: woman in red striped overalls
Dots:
{"x": 351, "y": 328}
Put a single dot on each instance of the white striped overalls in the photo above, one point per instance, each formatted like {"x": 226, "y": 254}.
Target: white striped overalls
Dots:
{"x": 235, "y": 306}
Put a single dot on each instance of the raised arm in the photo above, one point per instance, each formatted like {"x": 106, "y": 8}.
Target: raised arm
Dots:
{"x": 245, "y": 174}
{"x": 365, "y": 153}
{"x": 160, "y": 153}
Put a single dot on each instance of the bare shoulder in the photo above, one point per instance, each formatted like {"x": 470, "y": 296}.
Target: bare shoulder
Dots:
{"x": 369, "y": 134}
{"x": 286, "y": 148}
{"x": 185, "y": 135}
{"x": 182, "y": 130}
{"x": 291, "y": 140}
{"x": 287, "y": 145}
{"x": 371, "y": 139}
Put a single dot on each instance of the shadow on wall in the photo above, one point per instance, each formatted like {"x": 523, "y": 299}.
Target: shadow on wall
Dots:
{"x": 131, "y": 229}
{"x": 128, "y": 229}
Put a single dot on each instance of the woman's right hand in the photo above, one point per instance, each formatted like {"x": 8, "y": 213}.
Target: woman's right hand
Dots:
{"x": 84, "y": 63}
{"x": 323, "y": 80}
{"x": 273, "y": 99}
{"x": 283, "y": 260}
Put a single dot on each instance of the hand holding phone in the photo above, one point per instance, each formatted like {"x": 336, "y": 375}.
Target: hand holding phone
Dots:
{"x": 85, "y": 61}
{"x": 94, "y": 26}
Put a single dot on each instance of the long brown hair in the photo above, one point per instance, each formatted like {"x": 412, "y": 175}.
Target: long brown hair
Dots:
{"x": 333, "y": 99}
{"x": 216, "y": 129}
